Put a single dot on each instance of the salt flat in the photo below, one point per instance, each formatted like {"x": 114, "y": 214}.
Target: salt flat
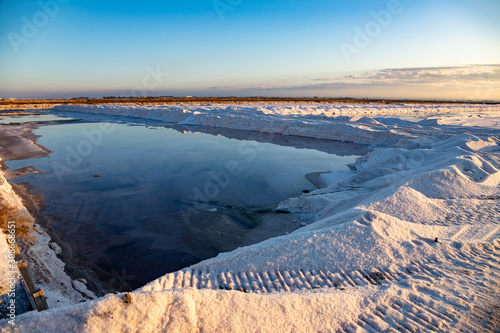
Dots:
{"x": 408, "y": 241}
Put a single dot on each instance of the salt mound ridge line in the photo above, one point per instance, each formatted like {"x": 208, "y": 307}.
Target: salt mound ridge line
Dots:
{"x": 331, "y": 121}
{"x": 302, "y": 110}
{"x": 250, "y": 119}
{"x": 373, "y": 234}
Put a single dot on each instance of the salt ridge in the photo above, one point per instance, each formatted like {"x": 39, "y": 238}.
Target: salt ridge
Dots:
{"x": 409, "y": 241}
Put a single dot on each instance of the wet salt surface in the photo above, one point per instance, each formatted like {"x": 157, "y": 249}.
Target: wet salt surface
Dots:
{"x": 133, "y": 202}
{"x": 31, "y": 118}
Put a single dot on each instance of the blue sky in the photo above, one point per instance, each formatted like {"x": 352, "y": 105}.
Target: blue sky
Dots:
{"x": 60, "y": 48}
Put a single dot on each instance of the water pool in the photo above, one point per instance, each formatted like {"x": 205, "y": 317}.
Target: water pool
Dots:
{"x": 132, "y": 202}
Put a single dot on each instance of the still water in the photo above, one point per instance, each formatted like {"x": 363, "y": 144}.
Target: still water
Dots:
{"x": 132, "y": 202}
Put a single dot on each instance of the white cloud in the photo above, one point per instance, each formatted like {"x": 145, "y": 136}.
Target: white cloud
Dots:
{"x": 435, "y": 75}
{"x": 461, "y": 82}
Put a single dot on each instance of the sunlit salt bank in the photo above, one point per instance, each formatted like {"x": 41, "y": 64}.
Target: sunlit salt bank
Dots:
{"x": 130, "y": 202}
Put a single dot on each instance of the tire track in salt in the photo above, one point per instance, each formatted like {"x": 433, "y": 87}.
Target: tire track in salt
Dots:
{"x": 431, "y": 307}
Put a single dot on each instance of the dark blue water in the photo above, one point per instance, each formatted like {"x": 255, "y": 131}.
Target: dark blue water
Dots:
{"x": 131, "y": 203}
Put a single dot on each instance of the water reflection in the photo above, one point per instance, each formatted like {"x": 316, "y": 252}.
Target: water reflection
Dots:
{"x": 131, "y": 203}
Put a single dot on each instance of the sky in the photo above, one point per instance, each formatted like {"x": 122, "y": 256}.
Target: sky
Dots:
{"x": 439, "y": 49}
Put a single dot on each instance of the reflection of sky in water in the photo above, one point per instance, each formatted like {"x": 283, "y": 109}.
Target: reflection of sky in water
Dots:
{"x": 149, "y": 178}
{"x": 30, "y": 119}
